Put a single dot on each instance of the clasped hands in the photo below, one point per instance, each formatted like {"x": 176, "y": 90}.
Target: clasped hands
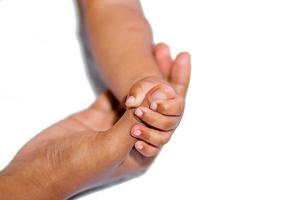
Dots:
{"x": 104, "y": 142}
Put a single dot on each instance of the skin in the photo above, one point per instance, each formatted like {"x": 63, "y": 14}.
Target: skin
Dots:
{"x": 88, "y": 146}
{"x": 166, "y": 108}
{"x": 121, "y": 43}
{"x": 80, "y": 151}
{"x": 111, "y": 24}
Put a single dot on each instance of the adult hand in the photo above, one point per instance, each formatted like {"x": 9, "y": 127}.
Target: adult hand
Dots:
{"x": 76, "y": 153}
{"x": 82, "y": 151}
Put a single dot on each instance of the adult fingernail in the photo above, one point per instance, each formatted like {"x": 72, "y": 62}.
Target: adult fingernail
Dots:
{"x": 138, "y": 112}
{"x": 153, "y": 106}
{"x": 130, "y": 101}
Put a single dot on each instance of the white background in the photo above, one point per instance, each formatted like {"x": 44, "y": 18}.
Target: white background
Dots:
{"x": 240, "y": 135}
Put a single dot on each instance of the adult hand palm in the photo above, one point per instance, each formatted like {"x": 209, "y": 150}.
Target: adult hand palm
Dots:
{"x": 80, "y": 144}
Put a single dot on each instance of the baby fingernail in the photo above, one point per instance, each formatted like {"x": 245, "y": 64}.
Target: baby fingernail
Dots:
{"x": 139, "y": 146}
{"x": 138, "y": 112}
{"x": 153, "y": 106}
{"x": 137, "y": 133}
{"x": 130, "y": 101}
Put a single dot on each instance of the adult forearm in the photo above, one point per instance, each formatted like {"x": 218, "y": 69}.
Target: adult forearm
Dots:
{"x": 17, "y": 186}
{"x": 121, "y": 42}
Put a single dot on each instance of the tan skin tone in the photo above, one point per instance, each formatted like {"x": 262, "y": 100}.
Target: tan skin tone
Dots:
{"x": 121, "y": 43}
{"x": 89, "y": 147}
{"x": 80, "y": 151}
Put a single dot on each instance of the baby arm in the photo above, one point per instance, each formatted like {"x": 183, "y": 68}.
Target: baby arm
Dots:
{"x": 121, "y": 42}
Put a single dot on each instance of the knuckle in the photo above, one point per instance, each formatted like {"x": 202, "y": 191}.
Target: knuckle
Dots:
{"x": 165, "y": 107}
{"x": 162, "y": 141}
{"x": 150, "y": 152}
{"x": 165, "y": 138}
{"x": 169, "y": 124}
{"x": 146, "y": 135}
{"x": 135, "y": 89}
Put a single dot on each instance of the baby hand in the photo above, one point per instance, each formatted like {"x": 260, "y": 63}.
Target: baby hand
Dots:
{"x": 160, "y": 120}
{"x": 163, "y": 105}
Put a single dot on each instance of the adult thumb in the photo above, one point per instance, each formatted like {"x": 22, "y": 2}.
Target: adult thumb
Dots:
{"x": 119, "y": 138}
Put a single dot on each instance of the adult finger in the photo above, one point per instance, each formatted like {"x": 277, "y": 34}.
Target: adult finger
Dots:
{"x": 163, "y": 58}
{"x": 180, "y": 74}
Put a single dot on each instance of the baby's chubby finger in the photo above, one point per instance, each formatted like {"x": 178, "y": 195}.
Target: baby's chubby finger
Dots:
{"x": 140, "y": 90}
{"x": 172, "y": 107}
{"x": 136, "y": 95}
{"x": 150, "y": 88}
{"x": 151, "y": 136}
{"x": 157, "y": 120}
{"x": 146, "y": 149}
